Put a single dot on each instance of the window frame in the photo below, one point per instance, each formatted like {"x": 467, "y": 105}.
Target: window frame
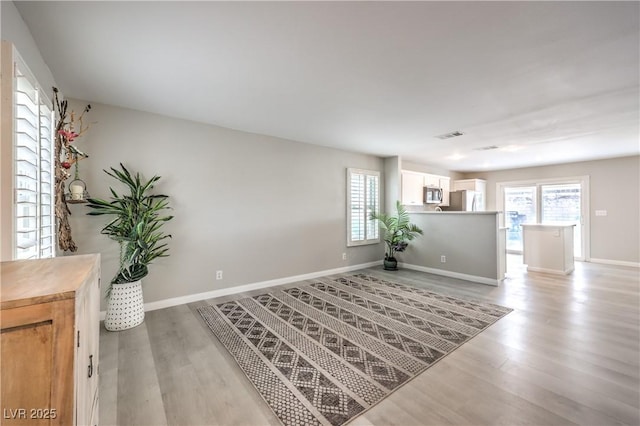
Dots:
{"x": 42, "y": 212}
{"x": 369, "y": 225}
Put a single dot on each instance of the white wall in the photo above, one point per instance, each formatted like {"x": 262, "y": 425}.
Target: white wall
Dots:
{"x": 614, "y": 186}
{"x": 14, "y": 29}
{"x": 254, "y": 206}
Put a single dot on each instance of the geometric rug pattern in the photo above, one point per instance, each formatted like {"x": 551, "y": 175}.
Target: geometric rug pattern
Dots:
{"x": 328, "y": 349}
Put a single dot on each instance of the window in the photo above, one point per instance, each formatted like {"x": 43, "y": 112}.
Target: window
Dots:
{"x": 34, "y": 222}
{"x": 363, "y": 198}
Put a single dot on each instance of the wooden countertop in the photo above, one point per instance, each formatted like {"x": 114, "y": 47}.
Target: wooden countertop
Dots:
{"x": 25, "y": 282}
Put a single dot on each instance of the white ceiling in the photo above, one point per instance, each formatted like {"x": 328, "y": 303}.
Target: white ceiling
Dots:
{"x": 545, "y": 82}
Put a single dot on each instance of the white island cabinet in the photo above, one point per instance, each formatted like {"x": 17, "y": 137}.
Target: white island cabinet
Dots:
{"x": 548, "y": 248}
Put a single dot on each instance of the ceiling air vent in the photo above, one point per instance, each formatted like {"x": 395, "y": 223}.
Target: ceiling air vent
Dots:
{"x": 450, "y": 135}
{"x": 486, "y": 148}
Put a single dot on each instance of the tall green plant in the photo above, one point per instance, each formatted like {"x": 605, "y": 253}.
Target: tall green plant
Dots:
{"x": 136, "y": 224}
{"x": 397, "y": 230}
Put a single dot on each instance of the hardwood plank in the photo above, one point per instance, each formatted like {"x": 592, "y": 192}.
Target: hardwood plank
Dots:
{"x": 193, "y": 376}
{"x": 139, "y": 395}
{"x": 568, "y": 354}
{"x": 537, "y": 393}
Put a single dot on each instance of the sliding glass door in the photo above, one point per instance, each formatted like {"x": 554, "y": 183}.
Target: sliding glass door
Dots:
{"x": 549, "y": 202}
{"x": 561, "y": 203}
{"x": 520, "y": 206}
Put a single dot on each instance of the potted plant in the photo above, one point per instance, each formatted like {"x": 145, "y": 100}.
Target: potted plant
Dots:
{"x": 397, "y": 232}
{"x": 137, "y": 219}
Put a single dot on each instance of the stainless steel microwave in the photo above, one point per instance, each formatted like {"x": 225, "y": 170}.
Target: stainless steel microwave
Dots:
{"x": 432, "y": 195}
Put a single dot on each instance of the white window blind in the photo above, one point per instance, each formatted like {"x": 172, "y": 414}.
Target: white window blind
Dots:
{"x": 33, "y": 179}
{"x": 363, "y": 198}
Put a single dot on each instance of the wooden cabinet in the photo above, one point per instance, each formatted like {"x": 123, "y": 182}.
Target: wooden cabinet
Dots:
{"x": 50, "y": 319}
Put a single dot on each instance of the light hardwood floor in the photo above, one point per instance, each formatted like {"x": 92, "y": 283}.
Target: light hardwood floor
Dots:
{"x": 568, "y": 354}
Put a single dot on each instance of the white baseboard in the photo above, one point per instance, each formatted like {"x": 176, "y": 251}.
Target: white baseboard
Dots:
{"x": 549, "y": 271}
{"x": 473, "y": 278}
{"x": 615, "y": 262}
{"x": 174, "y": 301}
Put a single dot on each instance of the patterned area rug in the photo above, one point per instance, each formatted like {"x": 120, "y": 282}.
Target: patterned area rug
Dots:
{"x": 328, "y": 349}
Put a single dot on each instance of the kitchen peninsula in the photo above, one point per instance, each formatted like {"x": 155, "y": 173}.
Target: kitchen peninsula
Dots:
{"x": 465, "y": 245}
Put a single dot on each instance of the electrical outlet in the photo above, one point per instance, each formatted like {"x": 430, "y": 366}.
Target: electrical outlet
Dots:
{"x": 443, "y": 259}
{"x": 218, "y": 275}
{"x": 344, "y": 256}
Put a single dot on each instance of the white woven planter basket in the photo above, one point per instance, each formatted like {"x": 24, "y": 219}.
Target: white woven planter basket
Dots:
{"x": 125, "y": 308}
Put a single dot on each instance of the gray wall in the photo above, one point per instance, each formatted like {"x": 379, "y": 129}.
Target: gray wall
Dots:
{"x": 254, "y": 206}
{"x": 468, "y": 240}
{"x": 392, "y": 189}
{"x": 614, "y": 186}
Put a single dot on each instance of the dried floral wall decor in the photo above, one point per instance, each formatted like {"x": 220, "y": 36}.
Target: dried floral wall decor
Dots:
{"x": 66, "y": 154}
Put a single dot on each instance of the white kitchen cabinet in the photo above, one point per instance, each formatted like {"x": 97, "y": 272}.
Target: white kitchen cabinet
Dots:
{"x": 470, "y": 185}
{"x": 412, "y": 188}
{"x": 445, "y": 183}
{"x": 431, "y": 180}
{"x": 413, "y": 184}
{"x": 477, "y": 185}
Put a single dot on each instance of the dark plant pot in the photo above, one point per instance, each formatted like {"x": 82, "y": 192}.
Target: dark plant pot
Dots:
{"x": 390, "y": 264}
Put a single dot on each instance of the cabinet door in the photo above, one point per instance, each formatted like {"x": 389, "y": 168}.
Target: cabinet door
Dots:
{"x": 464, "y": 185}
{"x": 444, "y": 184}
{"x": 36, "y": 346}
{"x": 27, "y": 369}
{"x": 82, "y": 356}
{"x": 94, "y": 344}
{"x": 432, "y": 180}
{"x": 478, "y": 185}
{"x": 88, "y": 332}
{"x": 412, "y": 188}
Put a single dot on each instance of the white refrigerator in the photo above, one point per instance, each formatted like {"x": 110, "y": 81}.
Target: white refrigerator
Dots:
{"x": 465, "y": 201}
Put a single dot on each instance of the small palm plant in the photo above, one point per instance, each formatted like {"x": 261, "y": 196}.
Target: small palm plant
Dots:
{"x": 136, "y": 224}
{"x": 397, "y": 232}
